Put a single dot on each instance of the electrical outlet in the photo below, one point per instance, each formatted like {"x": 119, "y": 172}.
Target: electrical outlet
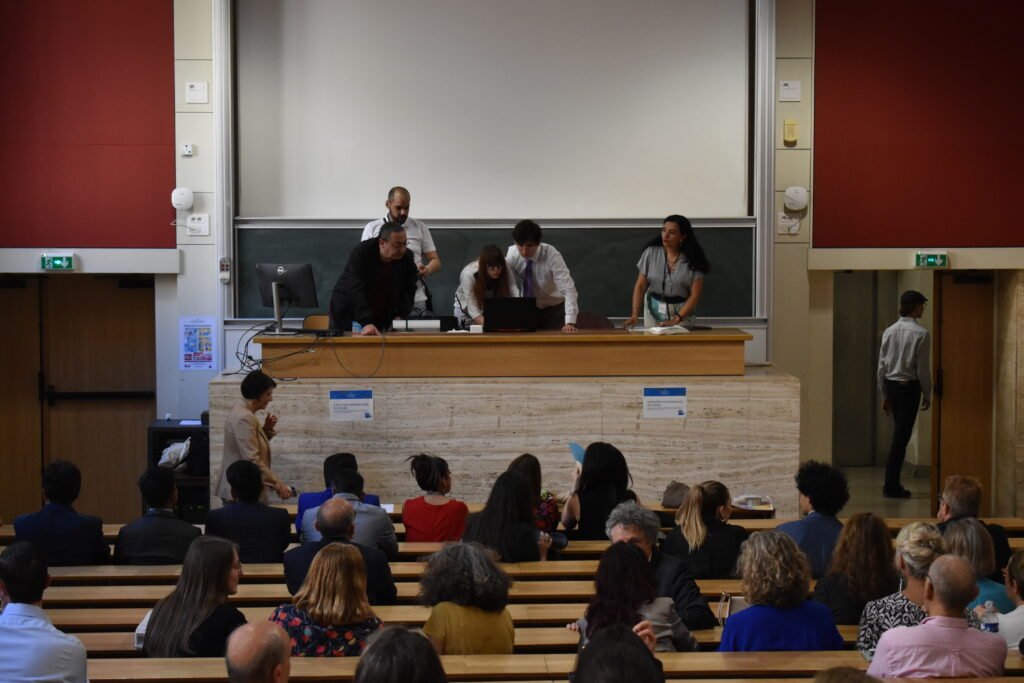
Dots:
{"x": 186, "y": 149}
{"x": 198, "y": 224}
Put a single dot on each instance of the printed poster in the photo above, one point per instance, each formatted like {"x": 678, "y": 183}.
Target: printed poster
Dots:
{"x": 198, "y": 339}
{"x": 664, "y": 402}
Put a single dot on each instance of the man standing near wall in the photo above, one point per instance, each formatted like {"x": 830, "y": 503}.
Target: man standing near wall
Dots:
{"x": 904, "y": 381}
{"x": 420, "y": 243}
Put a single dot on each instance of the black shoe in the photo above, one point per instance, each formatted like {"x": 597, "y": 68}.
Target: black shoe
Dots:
{"x": 896, "y": 493}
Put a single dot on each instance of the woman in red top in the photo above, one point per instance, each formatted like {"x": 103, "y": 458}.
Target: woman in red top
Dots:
{"x": 433, "y": 516}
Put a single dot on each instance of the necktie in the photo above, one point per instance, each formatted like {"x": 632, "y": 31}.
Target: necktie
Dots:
{"x": 528, "y": 280}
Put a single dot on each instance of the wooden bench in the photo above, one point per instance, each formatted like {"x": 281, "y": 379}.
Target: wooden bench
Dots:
{"x": 273, "y": 594}
{"x": 730, "y": 665}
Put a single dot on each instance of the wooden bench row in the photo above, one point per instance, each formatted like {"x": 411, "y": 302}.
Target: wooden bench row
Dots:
{"x": 273, "y": 594}
{"x": 758, "y": 665}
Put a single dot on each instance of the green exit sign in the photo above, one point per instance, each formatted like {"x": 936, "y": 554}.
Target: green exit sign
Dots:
{"x": 932, "y": 259}
{"x": 57, "y": 262}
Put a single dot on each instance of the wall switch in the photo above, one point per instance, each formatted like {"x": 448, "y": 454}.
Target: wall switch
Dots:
{"x": 186, "y": 149}
{"x": 197, "y": 92}
{"x": 198, "y": 224}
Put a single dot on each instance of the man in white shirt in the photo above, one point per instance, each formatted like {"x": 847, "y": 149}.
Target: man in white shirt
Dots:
{"x": 904, "y": 381}
{"x": 420, "y": 243}
{"x": 32, "y": 649}
{"x": 542, "y": 274}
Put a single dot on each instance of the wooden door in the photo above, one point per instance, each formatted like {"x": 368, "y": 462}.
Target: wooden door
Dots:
{"x": 99, "y": 365}
{"x": 963, "y": 348}
{"x": 21, "y": 444}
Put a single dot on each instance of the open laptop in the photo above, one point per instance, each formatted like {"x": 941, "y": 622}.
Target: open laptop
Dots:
{"x": 510, "y": 314}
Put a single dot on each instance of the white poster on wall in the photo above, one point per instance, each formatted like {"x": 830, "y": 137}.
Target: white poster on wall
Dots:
{"x": 198, "y": 341}
{"x": 664, "y": 402}
{"x": 351, "y": 405}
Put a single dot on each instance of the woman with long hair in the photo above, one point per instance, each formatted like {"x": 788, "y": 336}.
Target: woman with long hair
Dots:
{"x": 468, "y": 594}
{"x": 862, "y": 568}
{"x": 545, "y": 508}
{"x": 330, "y": 616}
{"x": 671, "y": 277}
{"x": 195, "y": 620}
{"x": 624, "y": 594}
{"x": 602, "y": 484}
{"x": 505, "y": 525}
{"x": 701, "y": 535}
{"x": 917, "y": 545}
{"x": 482, "y": 279}
{"x": 433, "y": 517}
{"x": 776, "y": 581}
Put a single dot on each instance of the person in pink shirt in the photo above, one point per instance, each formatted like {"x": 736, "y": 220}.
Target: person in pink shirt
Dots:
{"x": 942, "y": 645}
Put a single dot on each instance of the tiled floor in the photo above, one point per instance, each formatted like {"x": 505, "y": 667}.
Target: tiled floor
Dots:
{"x": 866, "y": 494}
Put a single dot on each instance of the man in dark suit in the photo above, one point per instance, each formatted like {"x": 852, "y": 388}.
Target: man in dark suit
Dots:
{"x": 62, "y": 536}
{"x": 262, "y": 532}
{"x": 158, "y": 537}
{"x": 336, "y": 521}
{"x": 378, "y": 283}
{"x": 631, "y": 523}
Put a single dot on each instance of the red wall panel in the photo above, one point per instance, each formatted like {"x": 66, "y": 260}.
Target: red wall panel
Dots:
{"x": 87, "y": 126}
{"x": 919, "y": 125}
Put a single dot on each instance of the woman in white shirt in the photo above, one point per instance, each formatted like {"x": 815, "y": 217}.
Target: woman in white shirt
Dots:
{"x": 671, "y": 278}
{"x": 484, "y": 278}
{"x": 1011, "y": 626}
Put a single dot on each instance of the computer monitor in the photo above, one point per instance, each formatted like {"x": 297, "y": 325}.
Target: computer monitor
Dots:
{"x": 290, "y": 284}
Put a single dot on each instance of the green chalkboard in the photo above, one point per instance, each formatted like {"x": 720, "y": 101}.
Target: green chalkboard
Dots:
{"x": 602, "y": 262}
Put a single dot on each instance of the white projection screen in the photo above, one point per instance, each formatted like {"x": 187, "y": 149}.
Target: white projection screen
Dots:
{"x": 493, "y": 109}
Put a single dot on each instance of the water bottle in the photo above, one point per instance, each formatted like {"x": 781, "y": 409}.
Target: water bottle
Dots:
{"x": 990, "y": 619}
{"x": 357, "y": 328}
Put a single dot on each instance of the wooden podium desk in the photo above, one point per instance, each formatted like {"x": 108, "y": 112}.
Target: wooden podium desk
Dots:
{"x": 605, "y": 353}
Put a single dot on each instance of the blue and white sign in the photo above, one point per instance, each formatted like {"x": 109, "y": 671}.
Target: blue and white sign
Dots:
{"x": 664, "y": 402}
{"x": 350, "y": 405}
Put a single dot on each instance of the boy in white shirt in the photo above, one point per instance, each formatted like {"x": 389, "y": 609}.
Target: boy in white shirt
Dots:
{"x": 542, "y": 274}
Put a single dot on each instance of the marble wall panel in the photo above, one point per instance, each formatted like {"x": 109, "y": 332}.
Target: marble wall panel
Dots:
{"x": 752, "y": 444}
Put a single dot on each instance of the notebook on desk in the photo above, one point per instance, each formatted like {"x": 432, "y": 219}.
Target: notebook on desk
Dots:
{"x": 510, "y": 314}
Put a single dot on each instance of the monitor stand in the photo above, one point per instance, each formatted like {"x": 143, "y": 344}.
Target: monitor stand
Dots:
{"x": 278, "y": 329}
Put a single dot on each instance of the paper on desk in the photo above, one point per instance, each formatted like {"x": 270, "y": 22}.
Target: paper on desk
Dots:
{"x": 388, "y": 507}
{"x": 675, "y": 329}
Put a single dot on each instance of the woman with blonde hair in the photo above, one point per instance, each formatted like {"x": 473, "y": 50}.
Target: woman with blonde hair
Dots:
{"x": 917, "y": 546}
{"x": 968, "y": 538}
{"x": 776, "y": 581}
{"x": 330, "y": 616}
{"x": 862, "y": 568}
{"x": 195, "y": 620}
{"x": 701, "y": 535}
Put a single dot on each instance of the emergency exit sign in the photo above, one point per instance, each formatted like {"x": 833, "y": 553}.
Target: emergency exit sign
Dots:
{"x": 932, "y": 259}
{"x": 57, "y": 262}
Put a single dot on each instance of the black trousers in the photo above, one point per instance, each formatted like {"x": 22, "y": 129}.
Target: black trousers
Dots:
{"x": 904, "y": 400}
{"x": 552, "y": 317}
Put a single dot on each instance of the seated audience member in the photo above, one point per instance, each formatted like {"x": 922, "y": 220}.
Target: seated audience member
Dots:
{"x": 943, "y": 645}
{"x": 330, "y": 616}
{"x": 603, "y": 483}
{"x": 373, "y": 527}
{"x": 776, "y": 581}
{"x": 433, "y": 517}
{"x": 258, "y": 653}
{"x": 335, "y": 521}
{"x": 917, "y": 546}
{"x": 624, "y": 594}
{"x": 960, "y": 499}
{"x": 616, "y": 655}
{"x": 158, "y": 537}
{"x": 1011, "y": 624}
{"x": 312, "y": 499}
{"x": 63, "y": 536}
{"x": 262, "y": 532}
{"x": 545, "y": 508}
{"x": 397, "y": 654}
{"x": 505, "y": 525}
{"x": 701, "y": 536}
{"x": 195, "y": 620}
{"x": 862, "y": 569}
{"x": 467, "y": 592}
{"x": 823, "y": 493}
{"x": 32, "y": 649}
{"x": 968, "y": 539}
{"x": 630, "y": 523}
